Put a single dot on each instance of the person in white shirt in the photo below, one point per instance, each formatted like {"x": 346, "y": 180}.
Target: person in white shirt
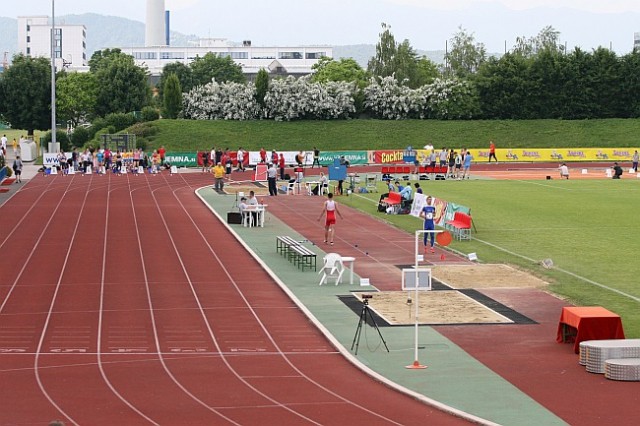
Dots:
{"x": 564, "y": 171}
{"x": 3, "y": 144}
{"x": 240, "y": 158}
{"x": 272, "y": 175}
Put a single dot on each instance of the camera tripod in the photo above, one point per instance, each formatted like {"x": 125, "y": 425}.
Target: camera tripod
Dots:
{"x": 363, "y": 319}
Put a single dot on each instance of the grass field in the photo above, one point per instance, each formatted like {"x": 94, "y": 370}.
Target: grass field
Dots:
{"x": 337, "y": 135}
{"x": 588, "y": 228}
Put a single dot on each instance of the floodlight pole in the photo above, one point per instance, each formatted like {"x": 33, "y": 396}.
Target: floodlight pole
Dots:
{"x": 53, "y": 75}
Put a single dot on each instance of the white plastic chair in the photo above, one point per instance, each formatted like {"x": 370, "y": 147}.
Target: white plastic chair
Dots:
{"x": 291, "y": 187}
{"x": 332, "y": 268}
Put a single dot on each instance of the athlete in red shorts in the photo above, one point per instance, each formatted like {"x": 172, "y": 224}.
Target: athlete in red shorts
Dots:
{"x": 330, "y": 209}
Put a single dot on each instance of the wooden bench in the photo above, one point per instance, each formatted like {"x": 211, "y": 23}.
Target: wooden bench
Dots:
{"x": 394, "y": 200}
{"x": 295, "y": 252}
{"x": 460, "y": 226}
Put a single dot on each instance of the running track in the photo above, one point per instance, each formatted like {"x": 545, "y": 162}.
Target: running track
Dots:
{"x": 123, "y": 301}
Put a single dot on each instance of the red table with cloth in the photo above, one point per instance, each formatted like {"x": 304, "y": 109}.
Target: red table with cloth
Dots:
{"x": 591, "y": 323}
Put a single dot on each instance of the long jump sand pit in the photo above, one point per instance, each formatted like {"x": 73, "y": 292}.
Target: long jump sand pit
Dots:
{"x": 462, "y": 304}
{"x": 434, "y": 307}
{"x": 485, "y": 276}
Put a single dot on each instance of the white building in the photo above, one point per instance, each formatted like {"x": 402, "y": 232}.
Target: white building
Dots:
{"x": 34, "y": 39}
{"x": 282, "y": 60}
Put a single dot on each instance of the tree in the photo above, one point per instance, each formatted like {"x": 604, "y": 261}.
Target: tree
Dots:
{"x": 406, "y": 64}
{"x": 123, "y": 86}
{"x": 102, "y": 58}
{"x": 262, "y": 86}
{"x": 27, "y": 93}
{"x": 383, "y": 64}
{"x": 392, "y": 59}
{"x": 172, "y": 99}
{"x": 180, "y": 70}
{"x": 426, "y": 71}
{"x": 547, "y": 39}
{"x": 464, "y": 55}
{"x": 76, "y": 95}
{"x": 346, "y": 69}
{"x": 211, "y": 66}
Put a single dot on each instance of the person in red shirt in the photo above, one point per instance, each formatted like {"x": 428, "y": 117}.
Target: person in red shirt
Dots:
{"x": 263, "y": 156}
{"x": 492, "y": 151}
{"x": 161, "y": 153}
{"x": 282, "y": 165}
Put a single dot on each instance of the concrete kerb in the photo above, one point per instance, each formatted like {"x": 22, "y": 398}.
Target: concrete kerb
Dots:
{"x": 337, "y": 344}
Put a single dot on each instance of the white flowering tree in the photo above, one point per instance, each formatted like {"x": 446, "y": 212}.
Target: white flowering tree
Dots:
{"x": 442, "y": 99}
{"x": 387, "y": 99}
{"x": 221, "y": 101}
{"x": 300, "y": 98}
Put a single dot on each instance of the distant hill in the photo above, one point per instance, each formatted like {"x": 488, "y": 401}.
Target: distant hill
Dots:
{"x": 114, "y": 31}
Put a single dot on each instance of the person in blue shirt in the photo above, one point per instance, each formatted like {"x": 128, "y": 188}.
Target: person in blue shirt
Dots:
{"x": 405, "y": 192}
{"x": 428, "y": 213}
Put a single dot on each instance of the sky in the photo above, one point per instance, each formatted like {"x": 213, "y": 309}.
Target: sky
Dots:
{"x": 427, "y": 24}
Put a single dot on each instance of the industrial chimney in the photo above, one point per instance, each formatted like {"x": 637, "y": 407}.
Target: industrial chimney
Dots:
{"x": 155, "y": 34}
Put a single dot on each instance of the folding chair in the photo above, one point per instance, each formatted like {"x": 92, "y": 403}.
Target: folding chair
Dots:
{"x": 332, "y": 268}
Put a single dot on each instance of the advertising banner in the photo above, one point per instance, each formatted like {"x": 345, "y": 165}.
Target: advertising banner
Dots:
{"x": 353, "y": 157}
{"x": 389, "y": 157}
{"x": 557, "y": 154}
{"x": 445, "y": 210}
{"x": 182, "y": 159}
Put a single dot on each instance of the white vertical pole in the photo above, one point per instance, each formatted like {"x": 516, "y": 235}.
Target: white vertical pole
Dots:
{"x": 416, "y": 364}
{"x": 53, "y": 75}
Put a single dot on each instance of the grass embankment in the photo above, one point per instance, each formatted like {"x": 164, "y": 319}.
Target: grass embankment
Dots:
{"x": 335, "y": 135}
{"x": 588, "y": 228}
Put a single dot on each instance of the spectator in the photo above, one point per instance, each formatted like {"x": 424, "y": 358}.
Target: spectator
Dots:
{"x": 323, "y": 183}
{"x": 468, "y": 158}
{"x": 252, "y": 202}
{"x": 418, "y": 189}
{"x": 228, "y": 163}
{"x": 300, "y": 158}
{"x": 271, "y": 179}
{"x": 492, "y": 151}
{"x": 564, "y": 171}
{"x": 218, "y": 175}
{"x": 17, "y": 168}
{"x": 617, "y": 171}
{"x": 444, "y": 154}
{"x": 263, "y": 156}
{"x": 162, "y": 152}
{"x": 282, "y": 165}
{"x": 406, "y": 192}
{"x": 240, "y": 159}
{"x": 635, "y": 161}
{"x": 205, "y": 160}
{"x": 316, "y": 157}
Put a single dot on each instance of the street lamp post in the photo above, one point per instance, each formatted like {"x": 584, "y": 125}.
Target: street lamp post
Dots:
{"x": 53, "y": 145}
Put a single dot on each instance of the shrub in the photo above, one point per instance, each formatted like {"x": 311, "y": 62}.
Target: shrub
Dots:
{"x": 79, "y": 136}
{"x": 119, "y": 120}
{"x": 150, "y": 113}
{"x": 61, "y": 137}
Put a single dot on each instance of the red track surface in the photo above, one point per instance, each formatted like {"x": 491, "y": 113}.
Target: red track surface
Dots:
{"x": 122, "y": 301}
